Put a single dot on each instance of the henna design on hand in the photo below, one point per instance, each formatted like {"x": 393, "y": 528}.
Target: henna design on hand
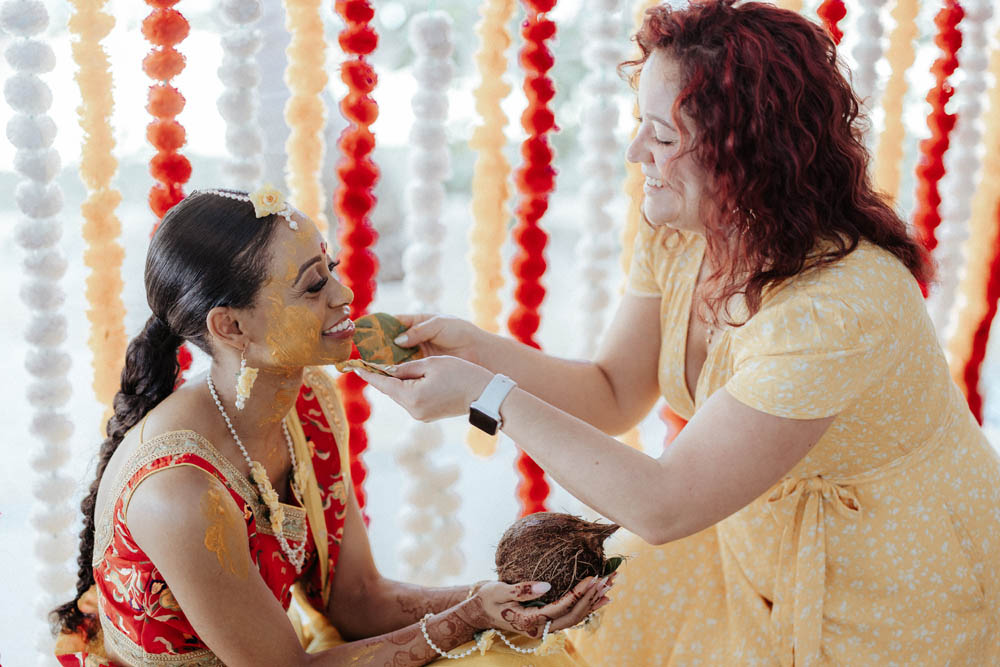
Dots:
{"x": 528, "y": 624}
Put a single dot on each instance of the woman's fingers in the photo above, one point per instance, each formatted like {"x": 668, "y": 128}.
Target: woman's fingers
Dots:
{"x": 419, "y": 331}
{"x": 583, "y": 606}
{"x": 568, "y": 601}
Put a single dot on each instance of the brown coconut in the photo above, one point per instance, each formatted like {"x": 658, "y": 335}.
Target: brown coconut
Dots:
{"x": 558, "y": 548}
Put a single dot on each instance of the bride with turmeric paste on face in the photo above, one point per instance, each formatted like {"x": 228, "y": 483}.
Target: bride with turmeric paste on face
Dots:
{"x": 219, "y": 501}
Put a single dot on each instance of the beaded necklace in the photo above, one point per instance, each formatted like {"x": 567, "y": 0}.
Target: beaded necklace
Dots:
{"x": 276, "y": 514}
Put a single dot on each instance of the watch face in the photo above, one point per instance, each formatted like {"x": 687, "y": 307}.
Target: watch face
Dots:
{"x": 482, "y": 421}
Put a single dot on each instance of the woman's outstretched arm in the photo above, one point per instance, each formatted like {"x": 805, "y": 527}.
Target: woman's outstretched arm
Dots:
{"x": 726, "y": 456}
{"x": 612, "y": 393}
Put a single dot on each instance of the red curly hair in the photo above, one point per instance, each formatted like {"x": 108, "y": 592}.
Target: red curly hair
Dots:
{"x": 779, "y": 131}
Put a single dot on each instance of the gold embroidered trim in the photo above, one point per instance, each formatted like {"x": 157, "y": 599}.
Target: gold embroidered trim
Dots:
{"x": 121, "y": 644}
{"x": 329, "y": 400}
{"x": 176, "y": 443}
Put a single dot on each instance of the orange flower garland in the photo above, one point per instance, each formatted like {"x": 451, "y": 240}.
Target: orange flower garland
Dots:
{"x": 306, "y": 78}
{"x": 931, "y": 168}
{"x": 354, "y": 201}
{"x": 165, "y": 28}
{"x": 901, "y": 53}
{"x": 101, "y": 228}
{"x": 535, "y": 181}
{"x": 489, "y": 182}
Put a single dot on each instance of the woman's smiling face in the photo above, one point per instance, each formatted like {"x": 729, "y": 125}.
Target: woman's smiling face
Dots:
{"x": 675, "y": 183}
{"x": 301, "y": 315}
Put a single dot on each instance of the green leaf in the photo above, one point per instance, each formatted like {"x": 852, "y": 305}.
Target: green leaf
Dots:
{"x": 611, "y": 564}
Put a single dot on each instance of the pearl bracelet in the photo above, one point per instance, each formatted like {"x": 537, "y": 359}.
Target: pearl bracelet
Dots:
{"x": 470, "y": 650}
{"x": 443, "y": 654}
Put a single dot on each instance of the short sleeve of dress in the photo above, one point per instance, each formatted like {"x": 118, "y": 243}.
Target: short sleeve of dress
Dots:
{"x": 642, "y": 273}
{"x": 809, "y": 357}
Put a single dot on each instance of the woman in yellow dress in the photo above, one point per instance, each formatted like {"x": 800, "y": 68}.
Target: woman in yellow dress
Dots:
{"x": 219, "y": 501}
{"x": 831, "y": 499}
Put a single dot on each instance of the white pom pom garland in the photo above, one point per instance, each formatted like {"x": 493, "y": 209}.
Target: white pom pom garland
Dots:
{"x": 238, "y": 103}
{"x": 430, "y": 549}
{"x": 962, "y": 163}
{"x": 603, "y": 27}
{"x": 31, "y": 131}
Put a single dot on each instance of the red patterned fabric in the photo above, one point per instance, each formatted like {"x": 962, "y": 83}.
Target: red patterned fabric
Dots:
{"x": 137, "y": 609}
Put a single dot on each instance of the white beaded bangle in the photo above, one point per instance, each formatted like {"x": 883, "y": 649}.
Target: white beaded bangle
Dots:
{"x": 443, "y": 654}
{"x": 503, "y": 638}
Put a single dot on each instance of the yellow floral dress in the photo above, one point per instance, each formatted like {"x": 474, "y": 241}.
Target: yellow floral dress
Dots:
{"x": 881, "y": 547}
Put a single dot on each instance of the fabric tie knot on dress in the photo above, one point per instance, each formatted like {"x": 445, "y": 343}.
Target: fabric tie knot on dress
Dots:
{"x": 798, "y": 505}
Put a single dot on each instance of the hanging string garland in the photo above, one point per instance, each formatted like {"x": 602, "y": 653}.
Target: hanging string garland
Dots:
{"x": 867, "y": 52}
{"x": 305, "y": 76}
{"x": 599, "y": 164}
{"x": 901, "y": 53}
{"x": 980, "y": 286}
{"x": 32, "y": 131}
{"x": 831, "y": 11}
{"x": 164, "y": 28}
{"x": 354, "y": 201}
{"x": 930, "y": 170}
{"x": 430, "y": 549}
{"x": 240, "y": 98}
{"x": 490, "y": 191}
{"x": 962, "y": 165}
{"x": 101, "y": 229}
{"x": 535, "y": 180}
{"x": 633, "y": 211}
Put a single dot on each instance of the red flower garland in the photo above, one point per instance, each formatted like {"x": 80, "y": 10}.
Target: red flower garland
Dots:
{"x": 535, "y": 180}
{"x": 972, "y": 371}
{"x": 164, "y": 28}
{"x": 931, "y": 168}
{"x": 354, "y": 201}
{"x": 831, "y": 11}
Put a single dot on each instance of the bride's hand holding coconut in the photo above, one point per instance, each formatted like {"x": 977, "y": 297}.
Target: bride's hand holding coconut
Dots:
{"x": 500, "y": 606}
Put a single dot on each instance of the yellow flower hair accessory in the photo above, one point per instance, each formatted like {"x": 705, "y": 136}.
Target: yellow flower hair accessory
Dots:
{"x": 266, "y": 200}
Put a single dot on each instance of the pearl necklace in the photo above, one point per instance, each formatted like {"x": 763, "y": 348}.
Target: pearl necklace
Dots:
{"x": 276, "y": 513}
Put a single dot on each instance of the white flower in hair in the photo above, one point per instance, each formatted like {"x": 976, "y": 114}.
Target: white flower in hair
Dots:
{"x": 267, "y": 200}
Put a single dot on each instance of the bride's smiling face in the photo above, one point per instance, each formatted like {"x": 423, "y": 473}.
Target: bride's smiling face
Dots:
{"x": 675, "y": 183}
{"x": 301, "y": 314}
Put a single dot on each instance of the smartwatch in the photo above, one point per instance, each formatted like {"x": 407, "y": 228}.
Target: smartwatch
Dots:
{"x": 484, "y": 413}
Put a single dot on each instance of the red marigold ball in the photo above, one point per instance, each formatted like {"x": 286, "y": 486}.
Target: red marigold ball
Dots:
{"x": 536, "y": 31}
{"x": 360, "y": 39}
{"x": 162, "y": 198}
{"x": 360, "y": 108}
{"x": 358, "y": 173}
{"x": 170, "y": 168}
{"x": 356, "y": 143}
{"x": 541, "y": 5}
{"x": 538, "y": 120}
{"x": 354, "y": 204}
{"x": 355, "y": 11}
{"x": 165, "y": 27}
{"x": 163, "y": 64}
{"x": 536, "y": 58}
{"x": 166, "y": 135}
{"x": 358, "y": 75}
{"x": 541, "y": 88}
{"x": 164, "y": 101}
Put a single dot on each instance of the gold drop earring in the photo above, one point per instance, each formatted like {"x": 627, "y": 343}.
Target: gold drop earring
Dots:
{"x": 244, "y": 381}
